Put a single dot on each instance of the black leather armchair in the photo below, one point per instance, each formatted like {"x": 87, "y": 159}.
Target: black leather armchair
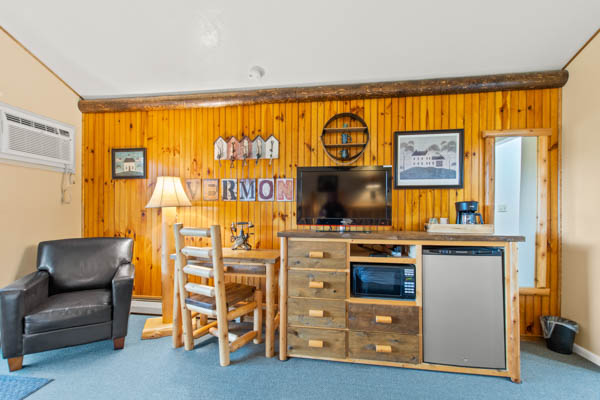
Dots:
{"x": 80, "y": 293}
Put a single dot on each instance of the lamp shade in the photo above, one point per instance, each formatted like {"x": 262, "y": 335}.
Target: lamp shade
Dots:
{"x": 168, "y": 192}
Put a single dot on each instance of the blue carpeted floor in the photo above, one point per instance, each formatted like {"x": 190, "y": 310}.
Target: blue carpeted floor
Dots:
{"x": 152, "y": 369}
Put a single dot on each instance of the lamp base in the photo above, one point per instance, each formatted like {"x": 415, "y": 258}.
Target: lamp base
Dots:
{"x": 155, "y": 328}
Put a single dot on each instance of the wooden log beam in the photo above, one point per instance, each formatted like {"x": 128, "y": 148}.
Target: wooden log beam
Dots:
{"x": 425, "y": 87}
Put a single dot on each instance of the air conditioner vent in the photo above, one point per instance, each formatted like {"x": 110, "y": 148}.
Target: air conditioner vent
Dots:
{"x": 35, "y": 139}
{"x": 13, "y": 118}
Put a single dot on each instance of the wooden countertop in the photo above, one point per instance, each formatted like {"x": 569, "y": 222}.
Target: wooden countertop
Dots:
{"x": 401, "y": 235}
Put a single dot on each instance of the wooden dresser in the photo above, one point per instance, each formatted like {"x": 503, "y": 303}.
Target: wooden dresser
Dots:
{"x": 320, "y": 318}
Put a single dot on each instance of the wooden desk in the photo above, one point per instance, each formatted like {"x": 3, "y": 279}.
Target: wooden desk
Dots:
{"x": 251, "y": 262}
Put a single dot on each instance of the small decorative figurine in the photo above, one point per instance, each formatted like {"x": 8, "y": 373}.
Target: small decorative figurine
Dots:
{"x": 240, "y": 241}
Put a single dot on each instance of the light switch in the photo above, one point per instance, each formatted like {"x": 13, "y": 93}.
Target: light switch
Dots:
{"x": 501, "y": 208}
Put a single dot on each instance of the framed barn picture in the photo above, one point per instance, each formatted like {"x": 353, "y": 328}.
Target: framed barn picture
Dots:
{"x": 429, "y": 159}
{"x": 129, "y": 163}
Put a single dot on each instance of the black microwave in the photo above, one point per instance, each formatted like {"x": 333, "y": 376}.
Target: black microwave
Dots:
{"x": 395, "y": 281}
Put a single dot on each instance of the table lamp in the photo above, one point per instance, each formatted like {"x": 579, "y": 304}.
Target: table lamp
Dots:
{"x": 168, "y": 194}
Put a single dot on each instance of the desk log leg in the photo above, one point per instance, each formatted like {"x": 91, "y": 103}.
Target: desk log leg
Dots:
{"x": 177, "y": 327}
{"x": 270, "y": 317}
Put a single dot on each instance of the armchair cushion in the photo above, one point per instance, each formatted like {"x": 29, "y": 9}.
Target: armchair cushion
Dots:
{"x": 69, "y": 310}
{"x": 83, "y": 264}
{"x": 17, "y": 300}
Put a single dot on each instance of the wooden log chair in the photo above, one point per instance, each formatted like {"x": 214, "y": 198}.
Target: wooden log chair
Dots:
{"x": 221, "y": 301}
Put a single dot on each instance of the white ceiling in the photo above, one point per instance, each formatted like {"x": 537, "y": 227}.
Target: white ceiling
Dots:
{"x": 127, "y": 47}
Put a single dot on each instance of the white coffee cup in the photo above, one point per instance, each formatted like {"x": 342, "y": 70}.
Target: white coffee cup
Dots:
{"x": 443, "y": 220}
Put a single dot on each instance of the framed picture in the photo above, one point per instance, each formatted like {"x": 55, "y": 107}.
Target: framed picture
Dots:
{"x": 428, "y": 159}
{"x": 129, "y": 163}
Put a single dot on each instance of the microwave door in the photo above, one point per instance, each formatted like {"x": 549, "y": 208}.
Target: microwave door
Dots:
{"x": 378, "y": 282}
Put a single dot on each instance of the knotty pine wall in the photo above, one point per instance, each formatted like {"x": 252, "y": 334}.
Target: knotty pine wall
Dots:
{"x": 180, "y": 143}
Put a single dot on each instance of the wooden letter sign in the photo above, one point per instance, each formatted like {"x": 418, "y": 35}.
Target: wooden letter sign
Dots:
{"x": 266, "y": 190}
{"x": 285, "y": 190}
{"x": 247, "y": 189}
{"x": 210, "y": 189}
{"x": 194, "y": 189}
{"x": 229, "y": 189}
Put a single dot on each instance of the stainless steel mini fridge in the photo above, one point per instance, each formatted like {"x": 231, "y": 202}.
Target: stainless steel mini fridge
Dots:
{"x": 463, "y": 307}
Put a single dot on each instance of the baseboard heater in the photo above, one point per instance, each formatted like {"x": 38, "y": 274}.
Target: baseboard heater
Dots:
{"x": 146, "y": 306}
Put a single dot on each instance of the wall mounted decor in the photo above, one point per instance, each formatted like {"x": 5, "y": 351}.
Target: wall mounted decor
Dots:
{"x": 344, "y": 138}
{"x": 210, "y": 189}
{"x": 194, "y": 188}
{"x": 129, "y": 163}
{"x": 258, "y": 148}
{"x": 428, "y": 159}
{"x": 266, "y": 189}
{"x": 272, "y": 148}
{"x": 247, "y": 190}
{"x": 220, "y": 149}
{"x": 229, "y": 189}
{"x": 285, "y": 189}
{"x": 245, "y": 149}
{"x": 233, "y": 149}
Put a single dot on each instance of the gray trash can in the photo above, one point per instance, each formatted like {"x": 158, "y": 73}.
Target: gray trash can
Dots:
{"x": 559, "y": 333}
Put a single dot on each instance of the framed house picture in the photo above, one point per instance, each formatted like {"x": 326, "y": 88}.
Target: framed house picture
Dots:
{"x": 129, "y": 163}
{"x": 429, "y": 159}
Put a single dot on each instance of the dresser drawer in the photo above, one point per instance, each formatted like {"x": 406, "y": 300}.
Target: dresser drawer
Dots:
{"x": 317, "y": 313}
{"x": 330, "y": 285}
{"x": 384, "y": 318}
{"x": 316, "y": 254}
{"x": 383, "y": 346}
{"x": 316, "y": 342}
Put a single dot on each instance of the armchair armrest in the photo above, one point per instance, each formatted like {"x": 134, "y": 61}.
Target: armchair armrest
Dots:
{"x": 122, "y": 290}
{"x": 17, "y": 300}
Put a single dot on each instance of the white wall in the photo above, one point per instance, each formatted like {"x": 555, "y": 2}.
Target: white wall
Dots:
{"x": 580, "y": 298}
{"x": 30, "y": 198}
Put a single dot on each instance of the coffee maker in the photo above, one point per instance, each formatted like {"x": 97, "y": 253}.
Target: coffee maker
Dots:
{"x": 466, "y": 213}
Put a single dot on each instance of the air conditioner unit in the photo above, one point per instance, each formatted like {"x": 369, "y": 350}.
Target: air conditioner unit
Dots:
{"x": 34, "y": 139}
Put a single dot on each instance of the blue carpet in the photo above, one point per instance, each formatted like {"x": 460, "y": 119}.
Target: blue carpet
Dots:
{"x": 19, "y": 387}
{"x": 152, "y": 369}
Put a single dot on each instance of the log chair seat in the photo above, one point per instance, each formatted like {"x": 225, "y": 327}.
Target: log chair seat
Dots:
{"x": 235, "y": 292}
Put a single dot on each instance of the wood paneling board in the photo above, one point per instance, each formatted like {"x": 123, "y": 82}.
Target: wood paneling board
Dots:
{"x": 180, "y": 142}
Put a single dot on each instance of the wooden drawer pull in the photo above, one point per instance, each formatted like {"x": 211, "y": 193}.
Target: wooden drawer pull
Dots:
{"x": 383, "y": 319}
{"x": 315, "y": 313}
{"x": 383, "y": 348}
{"x": 315, "y": 285}
{"x": 316, "y": 254}
{"x": 316, "y": 343}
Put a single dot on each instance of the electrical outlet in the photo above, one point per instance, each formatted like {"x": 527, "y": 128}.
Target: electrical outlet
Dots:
{"x": 501, "y": 208}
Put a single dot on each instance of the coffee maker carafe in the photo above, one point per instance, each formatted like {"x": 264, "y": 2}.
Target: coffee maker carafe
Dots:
{"x": 466, "y": 213}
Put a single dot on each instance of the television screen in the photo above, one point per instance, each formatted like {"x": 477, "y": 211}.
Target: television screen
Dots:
{"x": 344, "y": 196}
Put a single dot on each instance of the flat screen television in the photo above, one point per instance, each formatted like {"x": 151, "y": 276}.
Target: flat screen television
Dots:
{"x": 344, "y": 196}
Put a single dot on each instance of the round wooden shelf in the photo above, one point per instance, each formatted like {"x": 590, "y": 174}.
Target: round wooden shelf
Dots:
{"x": 336, "y": 149}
